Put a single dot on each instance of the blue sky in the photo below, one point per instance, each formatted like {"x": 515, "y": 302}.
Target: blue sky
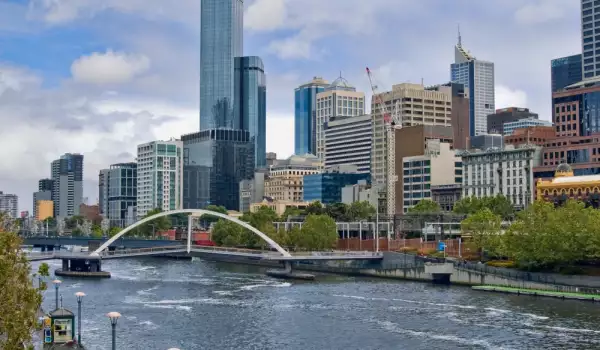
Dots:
{"x": 101, "y": 76}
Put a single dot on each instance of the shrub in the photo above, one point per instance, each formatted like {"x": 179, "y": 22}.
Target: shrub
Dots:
{"x": 426, "y": 252}
{"x": 408, "y": 250}
{"x": 502, "y": 263}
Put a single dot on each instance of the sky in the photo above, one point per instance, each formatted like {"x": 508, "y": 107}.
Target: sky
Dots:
{"x": 99, "y": 77}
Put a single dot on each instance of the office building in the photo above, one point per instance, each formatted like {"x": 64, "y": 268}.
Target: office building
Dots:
{"x": 271, "y": 159}
{"x": 485, "y": 141}
{"x": 327, "y": 186}
{"x": 252, "y": 191}
{"x": 348, "y": 142}
{"x": 496, "y": 121}
{"x": 438, "y": 166}
{"x": 159, "y": 176}
{"x": 45, "y": 185}
{"x": 43, "y": 209}
{"x": 414, "y": 141}
{"x": 589, "y": 29}
{"x": 285, "y": 182}
{"x": 532, "y": 135}
{"x": 67, "y": 189}
{"x": 459, "y": 118}
{"x": 221, "y": 40}
{"x": 510, "y": 127}
{"x": 305, "y": 116}
{"x": 508, "y": 172}
{"x": 565, "y": 71}
{"x": 214, "y": 163}
{"x": 447, "y": 195}
{"x": 338, "y": 100}
{"x": 478, "y": 78}
{"x": 42, "y": 196}
{"x": 118, "y": 192}
{"x": 251, "y": 103}
{"x": 9, "y": 204}
{"x": 362, "y": 191}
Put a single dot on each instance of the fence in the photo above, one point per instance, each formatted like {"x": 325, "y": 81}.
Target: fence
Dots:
{"x": 453, "y": 246}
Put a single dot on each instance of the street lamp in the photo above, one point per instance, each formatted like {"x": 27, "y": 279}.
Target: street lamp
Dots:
{"x": 114, "y": 317}
{"x": 79, "y": 296}
{"x": 56, "y": 285}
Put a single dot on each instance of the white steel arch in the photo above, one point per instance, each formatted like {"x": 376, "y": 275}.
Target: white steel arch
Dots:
{"x": 195, "y": 212}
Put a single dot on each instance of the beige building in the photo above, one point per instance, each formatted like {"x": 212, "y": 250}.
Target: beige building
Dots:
{"x": 286, "y": 179}
{"x": 278, "y": 207}
{"x": 409, "y": 105}
{"x": 44, "y": 209}
{"x": 339, "y": 99}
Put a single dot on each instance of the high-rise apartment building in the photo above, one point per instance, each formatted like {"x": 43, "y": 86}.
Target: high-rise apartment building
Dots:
{"x": 117, "y": 192}
{"x": 251, "y": 103}
{"x": 221, "y": 40}
{"x": 159, "y": 176}
{"x": 565, "y": 71}
{"x": 305, "y": 116}
{"x": 67, "y": 189}
{"x": 339, "y": 99}
{"x": 44, "y": 193}
{"x": 590, "y": 13}
{"x": 348, "y": 142}
{"x": 459, "y": 118}
{"x": 9, "y": 203}
{"x": 496, "y": 121}
{"x": 214, "y": 163}
{"x": 478, "y": 78}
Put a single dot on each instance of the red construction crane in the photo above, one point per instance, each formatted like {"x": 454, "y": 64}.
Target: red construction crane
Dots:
{"x": 387, "y": 115}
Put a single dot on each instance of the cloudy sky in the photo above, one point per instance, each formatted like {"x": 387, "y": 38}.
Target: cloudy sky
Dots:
{"x": 99, "y": 77}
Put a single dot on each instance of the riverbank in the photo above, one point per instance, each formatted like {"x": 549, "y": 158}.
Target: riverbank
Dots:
{"x": 542, "y": 293}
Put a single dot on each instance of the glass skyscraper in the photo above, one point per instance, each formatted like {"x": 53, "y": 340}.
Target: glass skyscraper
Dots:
{"x": 221, "y": 40}
{"x": 478, "y": 78}
{"x": 305, "y": 116}
{"x": 251, "y": 103}
{"x": 565, "y": 71}
{"x": 590, "y": 12}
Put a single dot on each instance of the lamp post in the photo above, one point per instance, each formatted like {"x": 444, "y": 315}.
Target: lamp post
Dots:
{"x": 114, "y": 317}
{"x": 79, "y": 296}
{"x": 56, "y": 285}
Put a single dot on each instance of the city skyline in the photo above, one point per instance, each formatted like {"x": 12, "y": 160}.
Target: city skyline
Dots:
{"x": 66, "y": 100}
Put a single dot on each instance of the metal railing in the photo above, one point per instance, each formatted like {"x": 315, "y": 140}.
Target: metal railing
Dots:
{"x": 142, "y": 251}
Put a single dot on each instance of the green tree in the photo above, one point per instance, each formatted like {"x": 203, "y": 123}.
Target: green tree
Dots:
{"x": 426, "y": 206}
{"x": 71, "y": 223}
{"x": 19, "y": 299}
{"x": 290, "y": 211}
{"x": 76, "y": 232}
{"x": 338, "y": 211}
{"x": 113, "y": 231}
{"x": 209, "y": 219}
{"x": 499, "y": 205}
{"x": 228, "y": 234}
{"x": 162, "y": 223}
{"x": 361, "y": 210}
{"x": 319, "y": 232}
{"x": 43, "y": 271}
{"x": 484, "y": 227}
{"x": 315, "y": 208}
{"x": 96, "y": 231}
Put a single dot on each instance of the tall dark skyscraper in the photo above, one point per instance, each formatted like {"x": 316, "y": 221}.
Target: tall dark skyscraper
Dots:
{"x": 305, "y": 116}
{"x": 251, "y": 103}
{"x": 565, "y": 71}
{"x": 221, "y": 40}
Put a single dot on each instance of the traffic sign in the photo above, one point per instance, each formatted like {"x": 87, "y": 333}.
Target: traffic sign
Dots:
{"x": 441, "y": 246}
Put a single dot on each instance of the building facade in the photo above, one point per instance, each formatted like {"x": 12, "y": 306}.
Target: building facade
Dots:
{"x": 565, "y": 71}
{"x": 446, "y": 195}
{"x": 589, "y": 26}
{"x": 305, "y": 116}
{"x": 43, "y": 209}
{"x": 285, "y": 182}
{"x": 67, "y": 189}
{"x": 485, "y": 141}
{"x": 42, "y": 196}
{"x": 459, "y": 119}
{"x": 478, "y": 78}
{"x": 9, "y": 204}
{"x": 348, "y": 142}
{"x": 439, "y": 165}
{"x": 159, "y": 176}
{"x": 532, "y": 135}
{"x": 221, "y": 40}
{"x": 214, "y": 163}
{"x": 252, "y": 191}
{"x": 508, "y": 172}
{"x": 497, "y": 120}
{"x": 251, "y": 103}
{"x": 103, "y": 191}
{"x": 510, "y": 127}
{"x": 565, "y": 185}
{"x": 327, "y": 187}
{"x": 119, "y": 189}
{"x": 337, "y": 100}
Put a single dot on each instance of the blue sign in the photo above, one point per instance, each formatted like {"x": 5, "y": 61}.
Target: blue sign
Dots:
{"x": 441, "y": 246}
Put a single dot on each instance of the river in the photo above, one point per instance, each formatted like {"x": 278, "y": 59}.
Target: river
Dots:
{"x": 208, "y": 305}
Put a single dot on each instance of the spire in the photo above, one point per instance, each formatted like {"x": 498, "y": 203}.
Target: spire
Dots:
{"x": 459, "y": 37}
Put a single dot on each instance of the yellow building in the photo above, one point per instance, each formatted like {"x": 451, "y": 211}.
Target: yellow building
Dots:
{"x": 565, "y": 186}
{"x": 44, "y": 209}
{"x": 286, "y": 179}
{"x": 278, "y": 207}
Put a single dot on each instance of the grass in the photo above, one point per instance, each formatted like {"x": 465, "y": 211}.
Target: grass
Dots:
{"x": 538, "y": 292}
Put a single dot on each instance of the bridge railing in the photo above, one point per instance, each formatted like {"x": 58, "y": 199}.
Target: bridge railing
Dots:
{"x": 129, "y": 251}
{"x": 38, "y": 254}
{"x": 233, "y": 250}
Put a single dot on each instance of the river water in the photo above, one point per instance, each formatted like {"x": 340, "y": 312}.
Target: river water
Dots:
{"x": 208, "y": 305}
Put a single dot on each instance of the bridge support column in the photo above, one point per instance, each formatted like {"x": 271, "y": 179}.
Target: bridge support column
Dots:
{"x": 288, "y": 266}
{"x": 189, "y": 233}
{"x": 88, "y": 266}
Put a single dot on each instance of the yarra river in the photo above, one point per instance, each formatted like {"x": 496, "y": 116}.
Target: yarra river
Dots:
{"x": 207, "y": 305}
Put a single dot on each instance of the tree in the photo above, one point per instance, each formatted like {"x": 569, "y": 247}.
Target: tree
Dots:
{"x": 319, "y": 232}
{"x": 499, "y": 205}
{"x": 290, "y": 211}
{"x": 162, "y": 223}
{"x": 19, "y": 299}
{"x": 484, "y": 229}
{"x": 361, "y": 210}
{"x": 228, "y": 234}
{"x": 43, "y": 271}
{"x": 426, "y": 206}
{"x": 114, "y": 231}
{"x": 338, "y": 211}
{"x": 315, "y": 208}
{"x": 96, "y": 231}
{"x": 209, "y": 219}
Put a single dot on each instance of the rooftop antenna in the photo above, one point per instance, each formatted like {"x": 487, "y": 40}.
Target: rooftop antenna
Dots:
{"x": 459, "y": 37}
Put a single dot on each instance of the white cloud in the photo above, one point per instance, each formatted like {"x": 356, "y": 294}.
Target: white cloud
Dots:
{"x": 540, "y": 12}
{"x": 280, "y": 134}
{"x": 109, "y": 68}
{"x": 265, "y": 15}
{"x": 507, "y": 97}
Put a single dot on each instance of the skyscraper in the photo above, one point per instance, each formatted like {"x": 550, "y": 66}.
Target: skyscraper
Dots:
{"x": 589, "y": 29}
{"x": 251, "y": 103}
{"x": 117, "y": 192}
{"x": 565, "y": 71}
{"x": 221, "y": 40}
{"x": 478, "y": 78}
{"x": 67, "y": 189}
{"x": 305, "y": 116}
{"x": 9, "y": 203}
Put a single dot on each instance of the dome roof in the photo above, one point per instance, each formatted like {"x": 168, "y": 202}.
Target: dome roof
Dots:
{"x": 563, "y": 169}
